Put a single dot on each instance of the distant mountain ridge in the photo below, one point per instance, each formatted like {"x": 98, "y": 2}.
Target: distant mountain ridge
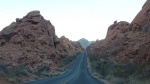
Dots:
{"x": 84, "y": 43}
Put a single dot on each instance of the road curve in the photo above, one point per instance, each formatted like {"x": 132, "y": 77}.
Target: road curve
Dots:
{"x": 77, "y": 74}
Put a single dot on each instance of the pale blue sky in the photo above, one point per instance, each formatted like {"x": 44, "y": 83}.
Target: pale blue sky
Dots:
{"x": 74, "y": 19}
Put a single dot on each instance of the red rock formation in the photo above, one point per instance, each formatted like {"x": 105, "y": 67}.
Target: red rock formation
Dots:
{"x": 67, "y": 47}
{"x": 142, "y": 19}
{"x": 117, "y": 30}
{"x": 125, "y": 42}
{"x": 31, "y": 41}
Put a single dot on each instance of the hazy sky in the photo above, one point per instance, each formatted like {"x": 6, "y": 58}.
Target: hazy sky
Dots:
{"x": 74, "y": 19}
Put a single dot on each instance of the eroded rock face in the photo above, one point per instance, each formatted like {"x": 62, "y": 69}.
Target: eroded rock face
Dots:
{"x": 125, "y": 42}
{"x": 95, "y": 47}
{"x": 117, "y": 30}
{"x": 67, "y": 47}
{"x": 31, "y": 41}
{"x": 142, "y": 19}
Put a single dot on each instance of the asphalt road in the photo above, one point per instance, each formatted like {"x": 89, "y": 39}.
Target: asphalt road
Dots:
{"x": 77, "y": 74}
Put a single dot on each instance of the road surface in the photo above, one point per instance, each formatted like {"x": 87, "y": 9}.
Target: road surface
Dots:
{"x": 77, "y": 74}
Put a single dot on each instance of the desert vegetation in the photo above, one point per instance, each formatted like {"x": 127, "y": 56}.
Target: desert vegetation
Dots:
{"x": 16, "y": 74}
{"x": 118, "y": 73}
{"x": 66, "y": 62}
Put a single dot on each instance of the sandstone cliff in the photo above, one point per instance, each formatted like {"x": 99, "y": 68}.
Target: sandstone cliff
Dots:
{"x": 127, "y": 42}
{"x": 67, "y": 47}
{"x": 31, "y": 42}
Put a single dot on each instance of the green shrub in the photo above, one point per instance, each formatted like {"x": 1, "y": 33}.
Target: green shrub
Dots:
{"x": 14, "y": 80}
{"x": 104, "y": 69}
{"x": 42, "y": 70}
{"x": 118, "y": 72}
{"x": 3, "y": 69}
{"x": 20, "y": 70}
{"x": 119, "y": 81}
{"x": 101, "y": 64}
{"x": 66, "y": 61}
{"x": 45, "y": 73}
{"x": 93, "y": 57}
{"x": 101, "y": 67}
{"x": 12, "y": 74}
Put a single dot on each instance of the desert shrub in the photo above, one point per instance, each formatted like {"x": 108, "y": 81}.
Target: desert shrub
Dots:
{"x": 22, "y": 71}
{"x": 122, "y": 71}
{"x": 139, "y": 68}
{"x": 119, "y": 81}
{"x": 12, "y": 73}
{"x": 118, "y": 72}
{"x": 42, "y": 70}
{"x": 147, "y": 75}
{"x": 3, "y": 69}
{"x": 66, "y": 61}
{"x": 104, "y": 69}
{"x": 93, "y": 57}
{"x": 17, "y": 71}
{"x": 30, "y": 70}
{"x": 14, "y": 80}
{"x": 101, "y": 64}
{"x": 45, "y": 73}
{"x": 101, "y": 67}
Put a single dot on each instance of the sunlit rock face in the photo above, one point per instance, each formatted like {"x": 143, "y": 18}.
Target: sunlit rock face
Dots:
{"x": 127, "y": 42}
{"x": 31, "y": 41}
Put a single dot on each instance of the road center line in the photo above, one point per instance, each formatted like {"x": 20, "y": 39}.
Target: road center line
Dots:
{"x": 74, "y": 74}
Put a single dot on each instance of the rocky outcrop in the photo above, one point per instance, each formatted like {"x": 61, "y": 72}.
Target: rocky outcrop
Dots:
{"x": 67, "y": 47}
{"x": 142, "y": 19}
{"x": 31, "y": 41}
{"x": 95, "y": 47}
{"x": 125, "y": 42}
{"x": 117, "y": 30}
